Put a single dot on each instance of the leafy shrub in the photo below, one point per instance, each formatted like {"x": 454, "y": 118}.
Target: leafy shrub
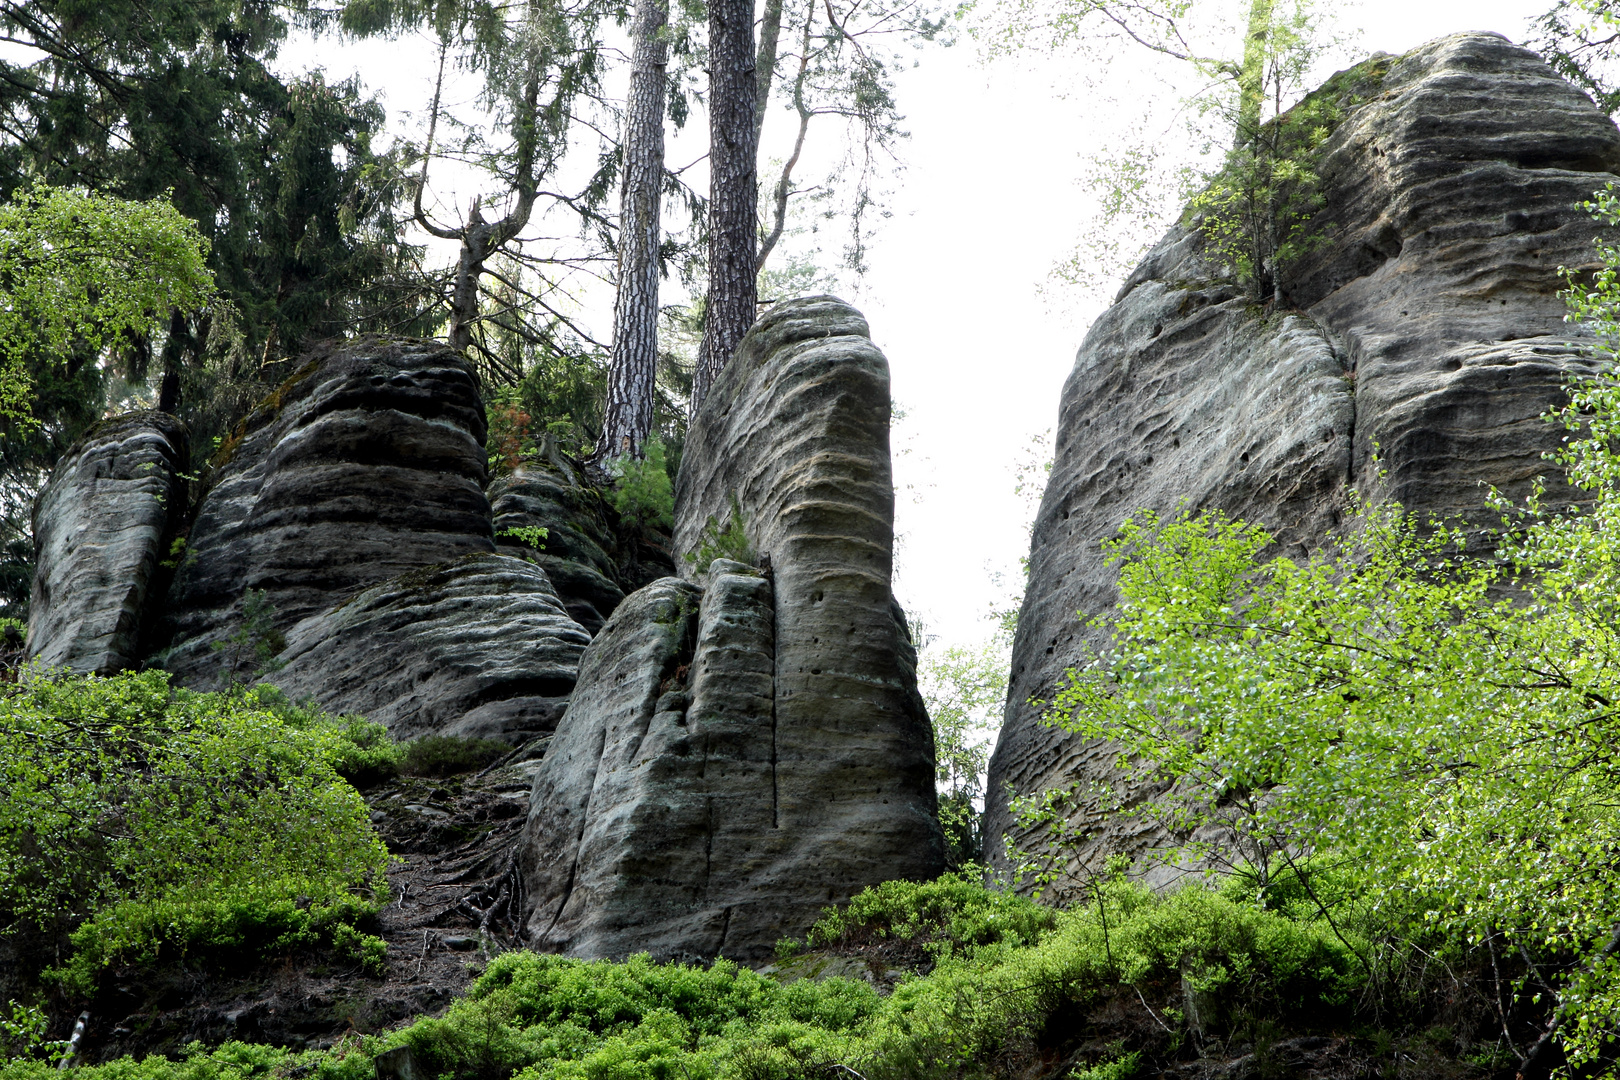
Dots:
{"x": 367, "y": 950}
{"x": 22, "y": 1033}
{"x": 950, "y": 911}
{"x": 144, "y": 824}
{"x": 528, "y": 535}
{"x": 722, "y": 542}
{"x": 555, "y": 1018}
{"x": 446, "y": 755}
{"x": 643, "y": 493}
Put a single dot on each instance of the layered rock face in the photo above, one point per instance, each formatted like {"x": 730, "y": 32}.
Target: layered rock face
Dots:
{"x": 102, "y": 527}
{"x": 366, "y": 464}
{"x": 576, "y": 551}
{"x": 1426, "y": 330}
{"x": 481, "y": 647}
{"x": 748, "y": 746}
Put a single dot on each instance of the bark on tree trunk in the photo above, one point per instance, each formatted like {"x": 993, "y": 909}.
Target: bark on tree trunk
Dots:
{"x": 770, "y": 32}
{"x": 633, "y": 372}
{"x": 469, "y": 267}
{"x": 733, "y": 197}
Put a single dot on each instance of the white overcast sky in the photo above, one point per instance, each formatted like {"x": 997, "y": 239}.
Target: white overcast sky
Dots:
{"x": 979, "y": 339}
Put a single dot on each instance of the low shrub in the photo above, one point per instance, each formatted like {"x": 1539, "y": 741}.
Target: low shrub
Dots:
{"x": 141, "y": 824}
{"x": 447, "y": 755}
{"x": 950, "y": 912}
{"x": 643, "y": 493}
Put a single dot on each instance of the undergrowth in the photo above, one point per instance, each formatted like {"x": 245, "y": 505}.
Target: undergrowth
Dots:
{"x": 142, "y": 825}
{"x": 1002, "y": 969}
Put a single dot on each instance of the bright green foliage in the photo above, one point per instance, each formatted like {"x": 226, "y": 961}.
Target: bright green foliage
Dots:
{"x": 949, "y": 914}
{"x": 723, "y": 542}
{"x": 147, "y": 823}
{"x": 22, "y": 1033}
{"x": 80, "y": 270}
{"x": 644, "y": 493}
{"x": 1002, "y": 967}
{"x": 1378, "y": 705}
{"x": 367, "y": 951}
{"x": 965, "y": 688}
{"x": 1577, "y": 39}
{"x": 1256, "y": 212}
{"x": 1594, "y": 299}
{"x": 531, "y": 535}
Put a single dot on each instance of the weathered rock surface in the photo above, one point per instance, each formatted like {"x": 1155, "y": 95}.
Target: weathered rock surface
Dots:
{"x": 737, "y": 756}
{"x": 576, "y": 553}
{"x": 367, "y": 463}
{"x": 102, "y": 527}
{"x": 1427, "y": 329}
{"x": 481, "y": 647}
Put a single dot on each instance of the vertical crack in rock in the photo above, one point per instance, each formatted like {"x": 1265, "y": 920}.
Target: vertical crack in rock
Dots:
{"x": 800, "y": 750}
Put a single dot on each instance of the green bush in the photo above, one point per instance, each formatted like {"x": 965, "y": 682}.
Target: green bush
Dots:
{"x": 952, "y": 911}
{"x": 555, "y": 1018}
{"x": 722, "y": 542}
{"x": 643, "y": 493}
{"x": 447, "y": 755}
{"x": 141, "y": 824}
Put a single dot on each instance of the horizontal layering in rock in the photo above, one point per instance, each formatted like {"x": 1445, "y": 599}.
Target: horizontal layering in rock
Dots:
{"x": 103, "y": 526}
{"x": 1426, "y": 328}
{"x": 479, "y": 648}
{"x": 748, "y": 745}
{"x": 367, "y": 463}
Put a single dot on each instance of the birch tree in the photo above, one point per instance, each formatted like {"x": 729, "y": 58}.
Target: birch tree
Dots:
{"x": 1246, "y": 199}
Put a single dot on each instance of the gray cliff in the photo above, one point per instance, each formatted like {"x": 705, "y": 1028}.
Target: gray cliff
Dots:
{"x": 481, "y": 647}
{"x": 367, "y": 463}
{"x": 747, "y": 745}
{"x": 102, "y": 528}
{"x": 1427, "y": 329}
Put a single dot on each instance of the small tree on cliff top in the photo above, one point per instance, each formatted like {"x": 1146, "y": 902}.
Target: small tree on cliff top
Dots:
{"x": 1252, "y": 186}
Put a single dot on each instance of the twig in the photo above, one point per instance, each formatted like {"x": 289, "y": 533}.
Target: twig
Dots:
{"x": 1149, "y": 1008}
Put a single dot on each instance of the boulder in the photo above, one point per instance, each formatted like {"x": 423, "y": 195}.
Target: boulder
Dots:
{"x": 748, "y": 745}
{"x": 1410, "y": 355}
{"x": 366, "y": 464}
{"x": 103, "y": 526}
{"x": 480, "y": 647}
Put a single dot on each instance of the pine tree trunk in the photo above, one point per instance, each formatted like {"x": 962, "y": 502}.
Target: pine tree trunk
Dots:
{"x": 469, "y": 268}
{"x": 633, "y": 372}
{"x": 733, "y": 196}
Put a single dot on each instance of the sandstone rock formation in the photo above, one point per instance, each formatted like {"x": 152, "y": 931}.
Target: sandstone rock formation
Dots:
{"x": 738, "y": 755}
{"x": 576, "y": 553}
{"x": 102, "y": 527}
{"x": 481, "y": 647}
{"x": 365, "y": 464}
{"x": 1426, "y": 329}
